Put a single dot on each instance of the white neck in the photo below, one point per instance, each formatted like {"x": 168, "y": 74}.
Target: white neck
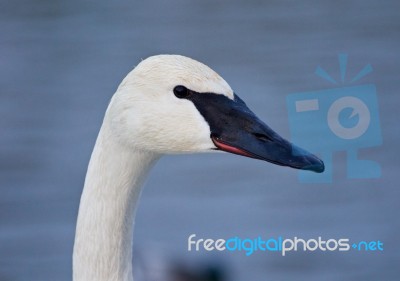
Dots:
{"x": 104, "y": 232}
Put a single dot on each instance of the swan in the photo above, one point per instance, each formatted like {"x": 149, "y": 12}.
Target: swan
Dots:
{"x": 167, "y": 104}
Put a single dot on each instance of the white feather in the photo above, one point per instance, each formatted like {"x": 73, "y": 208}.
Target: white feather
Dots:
{"x": 143, "y": 121}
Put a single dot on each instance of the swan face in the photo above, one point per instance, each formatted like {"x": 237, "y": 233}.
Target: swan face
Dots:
{"x": 174, "y": 104}
{"x": 146, "y": 114}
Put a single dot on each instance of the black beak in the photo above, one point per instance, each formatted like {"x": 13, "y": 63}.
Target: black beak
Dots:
{"x": 236, "y": 129}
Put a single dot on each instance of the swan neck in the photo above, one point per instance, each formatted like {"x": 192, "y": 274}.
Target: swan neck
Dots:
{"x": 104, "y": 233}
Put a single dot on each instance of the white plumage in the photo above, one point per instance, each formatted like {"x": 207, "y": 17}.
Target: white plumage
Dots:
{"x": 167, "y": 104}
{"x": 143, "y": 121}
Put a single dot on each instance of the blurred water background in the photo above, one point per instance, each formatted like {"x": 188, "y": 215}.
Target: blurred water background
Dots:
{"x": 62, "y": 60}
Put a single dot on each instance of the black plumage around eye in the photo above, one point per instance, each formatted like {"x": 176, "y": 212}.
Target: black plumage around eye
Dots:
{"x": 181, "y": 91}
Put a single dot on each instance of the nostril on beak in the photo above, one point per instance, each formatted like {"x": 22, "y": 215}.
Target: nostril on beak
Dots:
{"x": 262, "y": 137}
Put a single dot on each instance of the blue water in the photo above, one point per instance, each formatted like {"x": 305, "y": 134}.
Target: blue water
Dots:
{"x": 62, "y": 60}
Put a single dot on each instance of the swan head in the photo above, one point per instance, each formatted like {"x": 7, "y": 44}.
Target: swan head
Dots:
{"x": 173, "y": 104}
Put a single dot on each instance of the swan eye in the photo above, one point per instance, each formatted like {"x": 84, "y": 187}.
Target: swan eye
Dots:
{"x": 181, "y": 92}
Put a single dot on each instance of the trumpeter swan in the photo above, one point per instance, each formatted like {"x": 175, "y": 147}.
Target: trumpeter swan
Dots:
{"x": 167, "y": 104}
